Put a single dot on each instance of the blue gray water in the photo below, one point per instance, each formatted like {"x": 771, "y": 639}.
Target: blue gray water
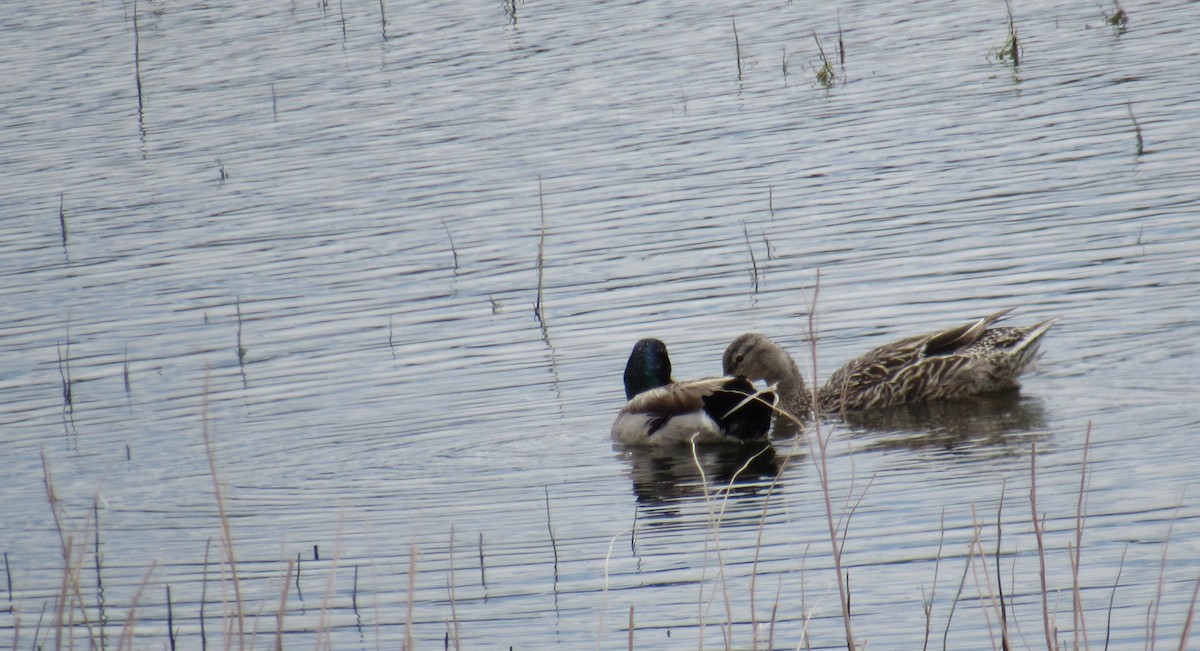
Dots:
{"x": 373, "y": 207}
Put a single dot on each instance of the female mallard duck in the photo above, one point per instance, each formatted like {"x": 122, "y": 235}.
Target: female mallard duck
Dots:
{"x": 963, "y": 361}
{"x": 661, "y": 411}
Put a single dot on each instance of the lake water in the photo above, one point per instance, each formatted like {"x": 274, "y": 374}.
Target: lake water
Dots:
{"x": 358, "y": 206}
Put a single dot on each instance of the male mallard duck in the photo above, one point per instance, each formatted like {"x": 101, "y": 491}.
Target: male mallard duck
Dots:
{"x": 661, "y": 411}
{"x": 963, "y": 361}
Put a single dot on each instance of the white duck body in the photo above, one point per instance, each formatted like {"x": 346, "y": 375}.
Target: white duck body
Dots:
{"x": 718, "y": 410}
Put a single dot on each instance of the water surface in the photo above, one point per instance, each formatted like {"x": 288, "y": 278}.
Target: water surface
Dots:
{"x": 362, "y": 216}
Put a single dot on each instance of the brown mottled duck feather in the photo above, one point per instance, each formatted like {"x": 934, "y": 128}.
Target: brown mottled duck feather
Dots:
{"x": 965, "y": 360}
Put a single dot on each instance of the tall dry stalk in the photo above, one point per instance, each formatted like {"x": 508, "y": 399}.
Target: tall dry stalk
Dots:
{"x": 819, "y": 445}
{"x": 137, "y": 59}
{"x": 323, "y": 620}
{"x": 126, "y": 640}
{"x": 70, "y": 592}
{"x": 927, "y": 602}
{"x": 1076, "y": 593}
{"x": 63, "y": 213}
{"x": 715, "y": 519}
{"x": 283, "y": 597}
{"x": 226, "y": 531}
{"x": 412, "y": 592}
{"x": 982, "y": 587}
{"x": 1039, "y": 524}
{"x": 762, "y": 522}
{"x": 1005, "y": 643}
{"x": 450, "y": 585}
{"x": 737, "y": 49}
{"x": 541, "y": 258}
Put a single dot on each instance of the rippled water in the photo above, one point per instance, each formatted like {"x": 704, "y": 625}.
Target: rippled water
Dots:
{"x": 362, "y": 216}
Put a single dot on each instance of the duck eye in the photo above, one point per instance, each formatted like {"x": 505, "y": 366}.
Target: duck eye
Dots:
{"x": 739, "y": 359}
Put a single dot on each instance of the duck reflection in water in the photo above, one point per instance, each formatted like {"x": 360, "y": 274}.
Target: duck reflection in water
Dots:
{"x": 662, "y": 476}
{"x": 989, "y": 424}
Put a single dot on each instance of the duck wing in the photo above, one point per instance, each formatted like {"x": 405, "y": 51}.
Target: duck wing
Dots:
{"x": 726, "y": 407}
{"x": 918, "y": 368}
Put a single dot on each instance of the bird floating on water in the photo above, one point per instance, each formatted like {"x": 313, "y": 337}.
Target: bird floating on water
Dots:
{"x": 958, "y": 362}
{"x": 661, "y": 411}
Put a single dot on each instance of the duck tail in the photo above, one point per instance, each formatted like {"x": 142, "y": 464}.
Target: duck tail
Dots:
{"x": 1027, "y": 350}
{"x": 956, "y": 339}
{"x": 741, "y": 410}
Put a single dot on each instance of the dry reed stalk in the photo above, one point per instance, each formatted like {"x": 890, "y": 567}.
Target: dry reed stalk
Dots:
{"x": 630, "y": 646}
{"x": 64, "y": 372}
{"x": 383, "y": 20}
{"x": 537, "y": 306}
{"x": 391, "y": 340}
{"x": 753, "y": 261}
{"x": 170, "y": 619}
{"x": 1038, "y": 526}
{"x": 1077, "y": 594}
{"x": 550, "y": 529}
{"x": 38, "y": 628}
{"x": 412, "y": 591}
{"x": 204, "y": 595}
{"x": 8, "y": 580}
{"x": 762, "y": 521}
{"x": 453, "y": 600}
{"x": 849, "y": 511}
{"x": 1113, "y": 597}
{"x": 702, "y": 613}
{"x": 126, "y": 640}
{"x": 737, "y": 49}
{"x": 226, "y": 531}
{"x": 323, "y": 621}
{"x": 975, "y": 551}
{"x": 962, "y": 584}
{"x": 101, "y": 618}
{"x": 125, "y": 370}
{"x": 774, "y": 614}
{"x": 1137, "y": 130}
{"x": 927, "y": 602}
{"x": 299, "y": 593}
{"x": 804, "y": 609}
{"x": 374, "y": 583}
{"x": 715, "y": 519}
{"x": 482, "y": 572}
{"x": 77, "y": 593}
{"x": 1005, "y": 642}
{"x": 1152, "y": 610}
{"x": 137, "y": 59}
{"x": 63, "y": 214}
{"x": 282, "y": 610}
{"x": 604, "y": 590}
{"x": 453, "y": 249}
{"x": 258, "y": 613}
{"x": 1187, "y": 623}
{"x": 818, "y": 445}
{"x": 63, "y": 595}
{"x": 841, "y": 46}
{"x": 72, "y": 567}
{"x": 241, "y": 349}
{"x": 16, "y": 628}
